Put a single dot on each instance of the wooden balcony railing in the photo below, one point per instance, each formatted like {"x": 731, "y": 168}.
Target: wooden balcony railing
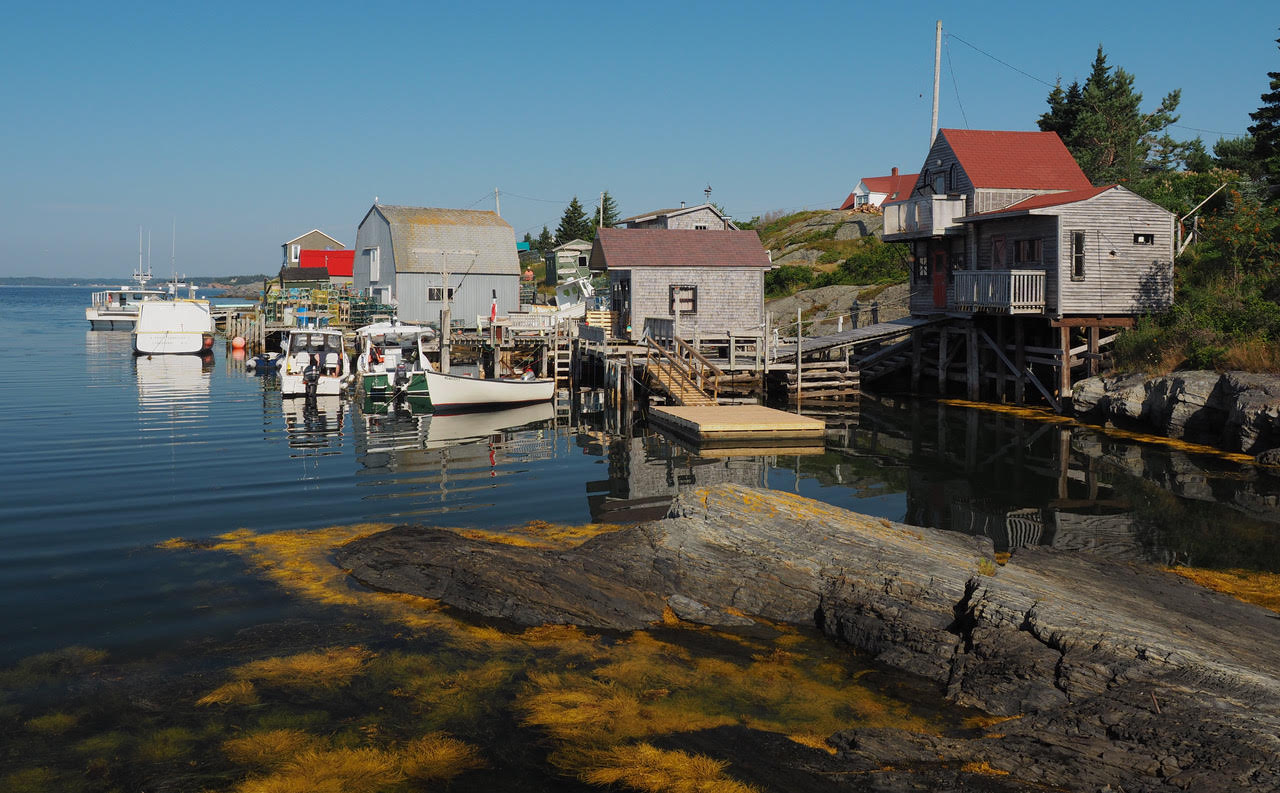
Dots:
{"x": 999, "y": 291}
{"x": 930, "y": 216}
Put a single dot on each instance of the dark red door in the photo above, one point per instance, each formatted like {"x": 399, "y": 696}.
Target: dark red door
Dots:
{"x": 939, "y": 279}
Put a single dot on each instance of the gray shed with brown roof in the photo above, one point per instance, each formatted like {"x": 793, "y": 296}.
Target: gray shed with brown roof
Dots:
{"x": 706, "y": 281}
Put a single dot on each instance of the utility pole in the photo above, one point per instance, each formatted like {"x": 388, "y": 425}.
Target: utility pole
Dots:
{"x": 445, "y": 308}
{"x": 937, "y": 76}
{"x": 497, "y": 202}
{"x": 601, "y": 223}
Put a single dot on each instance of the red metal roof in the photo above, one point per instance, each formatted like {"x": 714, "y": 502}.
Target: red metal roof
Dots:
{"x": 624, "y": 248}
{"x": 1049, "y": 200}
{"x": 338, "y": 263}
{"x": 895, "y": 188}
{"x": 1015, "y": 160}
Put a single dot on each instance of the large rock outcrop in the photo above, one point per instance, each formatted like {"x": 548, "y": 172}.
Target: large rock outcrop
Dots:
{"x": 1238, "y": 411}
{"x": 1121, "y": 675}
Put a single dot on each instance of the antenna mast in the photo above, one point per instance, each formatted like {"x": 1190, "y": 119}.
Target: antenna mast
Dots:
{"x": 937, "y": 73}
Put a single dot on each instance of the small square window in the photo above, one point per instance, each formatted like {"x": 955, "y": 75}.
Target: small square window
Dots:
{"x": 1027, "y": 252}
{"x": 1144, "y": 239}
{"x": 435, "y": 294}
{"x": 683, "y": 299}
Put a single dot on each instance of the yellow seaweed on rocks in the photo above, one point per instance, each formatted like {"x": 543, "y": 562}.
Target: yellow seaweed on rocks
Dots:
{"x": 342, "y": 770}
{"x": 328, "y": 668}
{"x": 437, "y": 757}
{"x": 541, "y": 534}
{"x": 45, "y": 667}
{"x": 646, "y": 768}
{"x": 29, "y": 780}
{"x": 52, "y": 723}
{"x": 1258, "y": 588}
{"x": 268, "y": 748}
{"x": 237, "y": 692}
{"x": 165, "y": 744}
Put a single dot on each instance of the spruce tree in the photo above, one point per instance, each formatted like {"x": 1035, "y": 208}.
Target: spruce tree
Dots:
{"x": 1266, "y": 131}
{"x": 544, "y": 243}
{"x": 573, "y": 224}
{"x": 1104, "y": 128}
{"x": 610, "y": 214}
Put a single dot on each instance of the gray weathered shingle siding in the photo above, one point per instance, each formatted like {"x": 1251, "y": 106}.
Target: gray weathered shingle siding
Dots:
{"x": 729, "y": 298}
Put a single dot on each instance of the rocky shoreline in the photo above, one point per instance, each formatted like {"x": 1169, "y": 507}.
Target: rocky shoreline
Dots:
{"x": 1237, "y": 411}
{"x": 1111, "y": 674}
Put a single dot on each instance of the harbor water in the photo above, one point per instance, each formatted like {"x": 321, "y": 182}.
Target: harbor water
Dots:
{"x": 143, "y": 568}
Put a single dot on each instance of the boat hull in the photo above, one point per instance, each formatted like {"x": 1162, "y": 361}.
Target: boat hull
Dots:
{"x": 172, "y": 343}
{"x": 110, "y": 320}
{"x": 457, "y": 394}
{"x": 375, "y": 385}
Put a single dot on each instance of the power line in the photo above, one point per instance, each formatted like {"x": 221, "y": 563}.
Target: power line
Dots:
{"x": 1005, "y": 63}
{"x": 531, "y": 198}
{"x": 956, "y": 85}
{"x": 1211, "y": 131}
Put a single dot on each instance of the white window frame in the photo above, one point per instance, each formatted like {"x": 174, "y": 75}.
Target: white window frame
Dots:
{"x": 295, "y": 252}
{"x": 1079, "y": 261}
{"x": 375, "y": 263}
{"x": 434, "y": 293}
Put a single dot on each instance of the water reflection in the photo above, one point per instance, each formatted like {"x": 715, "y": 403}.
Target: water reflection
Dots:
{"x": 314, "y": 426}
{"x": 172, "y": 389}
{"x": 1025, "y": 483}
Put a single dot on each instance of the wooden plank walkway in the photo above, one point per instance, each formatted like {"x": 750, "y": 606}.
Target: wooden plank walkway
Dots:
{"x": 738, "y": 423}
{"x": 868, "y": 333}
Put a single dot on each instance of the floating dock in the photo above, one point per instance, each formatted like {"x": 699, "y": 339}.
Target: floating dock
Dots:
{"x": 755, "y": 423}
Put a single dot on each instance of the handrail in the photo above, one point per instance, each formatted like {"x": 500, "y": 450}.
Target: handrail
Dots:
{"x": 674, "y": 365}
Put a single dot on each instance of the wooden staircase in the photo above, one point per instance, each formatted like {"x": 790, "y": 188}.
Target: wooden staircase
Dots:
{"x": 683, "y": 380}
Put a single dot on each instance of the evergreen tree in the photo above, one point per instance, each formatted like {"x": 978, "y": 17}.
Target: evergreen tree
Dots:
{"x": 1104, "y": 128}
{"x": 528, "y": 238}
{"x": 1266, "y": 130}
{"x": 573, "y": 224}
{"x": 1237, "y": 154}
{"x": 611, "y": 217}
{"x": 544, "y": 243}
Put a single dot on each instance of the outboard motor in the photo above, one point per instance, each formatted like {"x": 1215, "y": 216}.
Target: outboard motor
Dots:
{"x": 400, "y": 382}
{"x": 311, "y": 378}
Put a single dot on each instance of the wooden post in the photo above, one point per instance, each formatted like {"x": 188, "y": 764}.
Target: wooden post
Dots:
{"x": 942, "y": 361}
{"x": 1001, "y": 396}
{"x": 917, "y": 353}
{"x": 875, "y": 312}
{"x": 799, "y": 356}
{"x": 444, "y": 339}
{"x": 1064, "y": 373}
{"x": 1094, "y": 364}
{"x": 1020, "y": 360}
{"x": 855, "y": 312}
{"x": 764, "y": 364}
{"x": 628, "y": 381}
{"x": 972, "y": 372}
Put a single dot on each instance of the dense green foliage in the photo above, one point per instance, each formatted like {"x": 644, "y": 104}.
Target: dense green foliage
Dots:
{"x": 1266, "y": 129}
{"x": 574, "y": 224}
{"x": 863, "y": 261}
{"x": 1104, "y": 128}
{"x": 608, "y": 209}
{"x": 545, "y": 242}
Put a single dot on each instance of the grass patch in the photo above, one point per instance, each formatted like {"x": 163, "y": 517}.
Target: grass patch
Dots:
{"x": 1260, "y": 589}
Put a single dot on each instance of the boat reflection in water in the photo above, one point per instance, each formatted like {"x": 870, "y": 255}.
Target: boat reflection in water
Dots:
{"x": 172, "y": 389}
{"x": 394, "y": 436}
{"x": 314, "y": 426}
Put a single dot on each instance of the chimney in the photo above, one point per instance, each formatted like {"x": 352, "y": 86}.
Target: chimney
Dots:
{"x": 682, "y": 205}
{"x": 895, "y": 171}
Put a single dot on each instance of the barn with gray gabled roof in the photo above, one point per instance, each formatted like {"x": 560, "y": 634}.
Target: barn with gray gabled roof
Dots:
{"x": 409, "y": 256}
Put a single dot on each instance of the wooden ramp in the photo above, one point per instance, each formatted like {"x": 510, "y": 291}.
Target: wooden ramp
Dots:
{"x": 880, "y": 331}
{"x": 677, "y": 385}
{"x": 716, "y": 423}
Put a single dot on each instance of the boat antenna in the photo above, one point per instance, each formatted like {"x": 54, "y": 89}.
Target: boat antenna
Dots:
{"x": 173, "y": 248}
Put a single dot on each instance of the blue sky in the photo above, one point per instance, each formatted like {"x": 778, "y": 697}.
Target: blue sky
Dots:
{"x": 247, "y": 124}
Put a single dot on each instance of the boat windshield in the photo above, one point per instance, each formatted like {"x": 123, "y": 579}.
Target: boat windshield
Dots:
{"x": 315, "y": 342}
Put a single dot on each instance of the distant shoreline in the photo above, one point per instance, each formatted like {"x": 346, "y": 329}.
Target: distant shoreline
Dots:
{"x": 225, "y": 281}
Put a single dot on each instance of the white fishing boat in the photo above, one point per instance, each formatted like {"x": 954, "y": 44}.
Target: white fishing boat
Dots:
{"x": 324, "y": 348}
{"x": 117, "y": 309}
{"x": 392, "y": 359}
{"x": 173, "y": 327}
{"x": 451, "y": 393}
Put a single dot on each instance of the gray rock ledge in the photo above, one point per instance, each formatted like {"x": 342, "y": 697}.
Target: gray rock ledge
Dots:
{"x": 1118, "y": 674}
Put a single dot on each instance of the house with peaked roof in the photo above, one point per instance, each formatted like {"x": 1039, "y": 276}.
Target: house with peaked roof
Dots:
{"x": 699, "y": 218}
{"x": 568, "y": 261}
{"x": 314, "y": 240}
{"x": 424, "y": 258}
{"x": 336, "y": 264}
{"x": 1006, "y": 222}
{"x": 875, "y": 190}
{"x": 704, "y": 283}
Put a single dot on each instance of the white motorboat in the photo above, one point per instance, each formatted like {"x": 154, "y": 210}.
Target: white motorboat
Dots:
{"x": 173, "y": 326}
{"x": 451, "y": 393}
{"x": 392, "y": 359}
{"x": 117, "y": 309}
{"x": 303, "y": 347}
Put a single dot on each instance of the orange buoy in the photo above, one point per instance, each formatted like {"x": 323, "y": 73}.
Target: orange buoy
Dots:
{"x": 237, "y": 343}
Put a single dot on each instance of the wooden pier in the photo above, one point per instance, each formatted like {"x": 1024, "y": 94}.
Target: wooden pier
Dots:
{"x": 738, "y": 423}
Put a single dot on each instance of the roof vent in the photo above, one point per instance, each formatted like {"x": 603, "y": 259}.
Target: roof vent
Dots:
{"x": 895, "y": 170}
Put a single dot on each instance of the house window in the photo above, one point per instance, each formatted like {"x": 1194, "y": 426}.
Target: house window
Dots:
{"x": 1077, "y": 256}
{"x": 1144, "y": 239}
{"x": 1028, "y": 252}
{"x": 375, "y": 264}
{"x": 702, "y": 226}
{"x": 998, "y": 258}
{"x": 294, "y": 252}
{"x": 940, "y": 184}
{"x": 435, "y": 294}
{"x": 582, "y": 262}
{"x": 861, "y": 200}
{"x": 683, "y": 299}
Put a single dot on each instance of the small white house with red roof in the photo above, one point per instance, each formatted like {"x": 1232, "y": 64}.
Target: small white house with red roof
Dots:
{"x": 1006, "y": 223}
{"x": 875, "y": 190}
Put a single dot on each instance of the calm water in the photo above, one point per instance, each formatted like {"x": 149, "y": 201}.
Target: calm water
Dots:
{"x": 105, "y": 456}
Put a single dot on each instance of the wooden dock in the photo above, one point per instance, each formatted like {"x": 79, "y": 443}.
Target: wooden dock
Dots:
{"x": 755, "y": 423}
